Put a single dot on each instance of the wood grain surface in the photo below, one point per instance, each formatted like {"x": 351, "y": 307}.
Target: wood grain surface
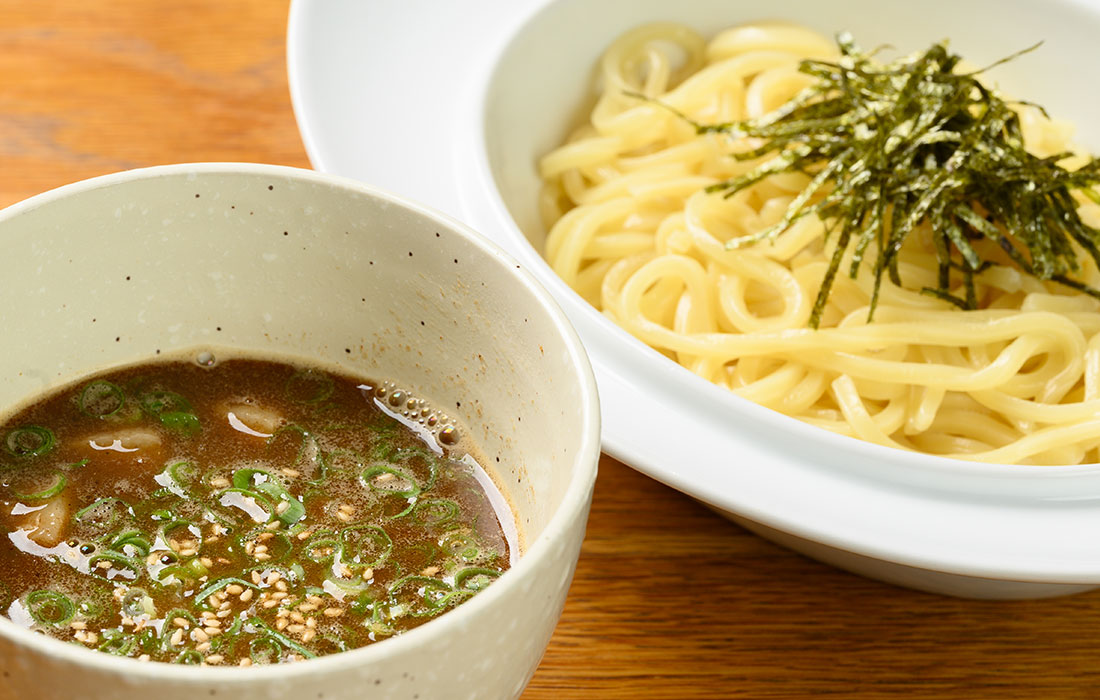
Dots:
{"x": 669, "y": 600}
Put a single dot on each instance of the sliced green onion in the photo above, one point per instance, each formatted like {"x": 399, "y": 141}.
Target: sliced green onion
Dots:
{"x": 128, "y": 540}
{"x": 101, "y": 399}
{"x": 258, "y": 624}
{"x": 29, "y": 441}
{"x": 171, "y": 530}
{"x": 50, "y": 608}
{"x": 192, "y": 570}
{"x": 148, "y": 641}
{"x": 322, "y": 547}
{"x": 262, "y": 481}
{"x": 157, "y": 402}
{"x": 117, "y": 643}
{"x": 461, "y": 545}
{"x": 181, "y": 422}
{"x": 243, "y": 502}
{"x": 39, "y": 486}
{"x": 278, "y": 545}
{"x": 120, "y": 565}
{"x": 475, "y": 578}
{"x": 136, "y": 602}
{"x": 309, "y": 386}
{"x": 419, "y": 596}
{"x": 218, "y": 585}
{"x": 400, "y": 484}
{"x": 179, "y": 613}
{"x": 189, "y": 657}
{"x": 184, "y": 474}
{"x": 365, "y": 546}
{"x": 308, "y": 457}
{"x": 436, "y": 511}
{"x": 264, "y": 650}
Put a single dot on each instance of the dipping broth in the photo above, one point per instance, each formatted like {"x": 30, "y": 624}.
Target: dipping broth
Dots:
{"x": 239, "y": 512}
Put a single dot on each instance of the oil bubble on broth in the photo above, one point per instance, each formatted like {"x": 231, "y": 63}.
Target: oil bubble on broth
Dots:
{"x": 240, "y": 511}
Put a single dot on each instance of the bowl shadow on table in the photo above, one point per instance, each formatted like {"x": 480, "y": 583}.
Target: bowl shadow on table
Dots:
{"x": 671, "y": 600}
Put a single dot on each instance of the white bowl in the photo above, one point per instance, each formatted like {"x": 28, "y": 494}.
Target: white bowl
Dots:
{"x": 279, "y": 260}
{"x": 936, "y": 524}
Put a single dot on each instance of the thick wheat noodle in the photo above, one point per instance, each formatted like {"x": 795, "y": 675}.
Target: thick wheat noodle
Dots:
{"x": 633, "y": 231}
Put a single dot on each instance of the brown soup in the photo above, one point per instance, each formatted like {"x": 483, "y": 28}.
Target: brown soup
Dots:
{"x": 239, "y": 512}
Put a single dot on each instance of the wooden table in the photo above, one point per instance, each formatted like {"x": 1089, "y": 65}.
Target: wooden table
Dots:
{"x": 669, "y": 600}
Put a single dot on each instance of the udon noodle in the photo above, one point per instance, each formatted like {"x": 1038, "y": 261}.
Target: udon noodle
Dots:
{"x": 633, "y": 232}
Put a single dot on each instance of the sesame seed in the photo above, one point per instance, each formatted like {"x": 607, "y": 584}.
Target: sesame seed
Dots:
{"x": 225, "y": 613}
{"x": 207, "y": 562}
{"x": 189, "y": 552}
{"x": 315, "y": 599}
{"x": 91, "y": 637}
{"x": 430, "y": 571}
{"x": 280, "y": 585}
{"x": 261, "y": 556}
{"x": 333, "y": 612}
{"x": 177, "y": 638}
{"x": 291, "y": 472}
{"x": 307, "y": 607}
{"x": 281, "y": 623}
{"x": 145, "y": 657}
{"x": 273, "y": 577}
{"x": 308, "y": 635}
{"x": 77, "y": 625}
{"x": 304, "y": 534}
{"x": 245, "y": 662}
{"x": 200, "y": 636}
{"x": 343, "y": 516}
{"x": 273, "y": 525}
{"x": 234, "y": 589}
{"x": 181, "y": 622}
{"x": 265, "y": 536}
{"x": 270, "y": 603}
{"x": 219, "y": 483}
{"x": 256, "y": 577}
{"x": 204, "y": 647}
{"x": 246, "y": 595}
{"x": 212, "y": 631}
{"x": 297, "y": 617}
{"x": 311, "y": 623}
{"x": 296, "y": 629}
{"x": 279, "y": 595}
{"x": 215, "y": 659}
{"x": 282, "y": 507}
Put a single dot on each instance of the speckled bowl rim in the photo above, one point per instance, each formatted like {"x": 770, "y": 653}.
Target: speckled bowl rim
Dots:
{"x": 574, "y": 503}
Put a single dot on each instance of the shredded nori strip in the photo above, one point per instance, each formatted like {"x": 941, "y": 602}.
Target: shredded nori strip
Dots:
{"x": 892, "y": 146}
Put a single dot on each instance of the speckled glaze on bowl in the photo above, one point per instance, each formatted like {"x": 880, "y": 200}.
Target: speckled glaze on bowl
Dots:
{"x": 279, "y": 260}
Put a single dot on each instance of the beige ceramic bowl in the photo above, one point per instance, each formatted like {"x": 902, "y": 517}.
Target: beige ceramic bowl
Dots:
{"x": 273, "y": 259}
